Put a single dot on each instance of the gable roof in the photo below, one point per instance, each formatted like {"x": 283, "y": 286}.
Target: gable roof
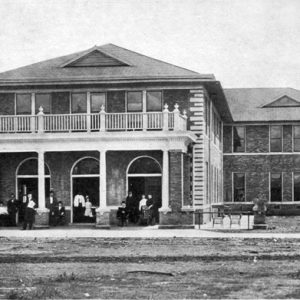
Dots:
{"x": 132, "y": 67}
{"x": 263, "y": 104}
{"x": 283, "y": 101}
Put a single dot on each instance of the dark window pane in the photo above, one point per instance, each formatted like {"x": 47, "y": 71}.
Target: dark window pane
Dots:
{"x": 154, "y": 101}
{"x": 30, "y": 167}
{"x": 276, "y": 187}
{"x": 144, "y": 165}
{"x": 134, "y": 101}
{"x": 43, "y": 100}
{"x": 79, "y": 104}
{"x": 87, "y": 166}
{"x": 115, "y": 101}
{"x": 7, "y": 104}
{"x": 276, "y": 145}
{"x": 23, "y": 104}
{"x": 276, "y": 132}
{"x": 60, "y": 103}
{"x": 239, "y": 187}
{"x": 239, "y": 139}
{"x": 297, "y": 145}
{"x": 97, "y": 100}
{"x": 297, "y": 131}
{"x": 296, "y": 186}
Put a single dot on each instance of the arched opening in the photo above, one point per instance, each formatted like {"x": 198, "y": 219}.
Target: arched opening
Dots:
{"x": 144, "y": 177}
{"x": 27, "y": 181}
{"x": 85, "y": 181}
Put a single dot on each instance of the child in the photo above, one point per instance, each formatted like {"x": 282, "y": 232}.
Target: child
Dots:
{"x": 122, "y": 214}
{"x": 61, "y": 213}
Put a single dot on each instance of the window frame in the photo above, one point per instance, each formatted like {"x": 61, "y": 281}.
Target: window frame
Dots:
{"x": 126, "y": 101}
{"x": 161, "y": 100}
{"x": 294, "y": 138}
{"x": 16, "y": 104}
{"x": 71, "y": 102}
{"x": 245, "y": 132}
{"x": 105, "y": 101}
{"x": 233, "y": 187}
{"x": 270, "y": 187}
{"x": 271, "y": 138}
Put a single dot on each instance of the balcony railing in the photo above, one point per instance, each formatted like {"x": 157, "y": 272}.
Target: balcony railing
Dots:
{"x": 101, "y": 121}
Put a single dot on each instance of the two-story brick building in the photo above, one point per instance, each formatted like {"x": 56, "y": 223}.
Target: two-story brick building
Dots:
{"x": 108, "y": 120}
{"x": 262, "y": 148}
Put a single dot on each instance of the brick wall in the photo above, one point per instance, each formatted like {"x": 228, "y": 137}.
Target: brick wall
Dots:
{"x": 257, "y": 169}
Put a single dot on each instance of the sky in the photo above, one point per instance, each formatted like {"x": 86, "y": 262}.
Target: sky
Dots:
{"x": 243, "y": 43}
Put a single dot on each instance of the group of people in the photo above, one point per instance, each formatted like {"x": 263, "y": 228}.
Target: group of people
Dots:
{"x": 82, "y": 208}
{"x": 138, "y": 211}
{"x": 27, "y": 209}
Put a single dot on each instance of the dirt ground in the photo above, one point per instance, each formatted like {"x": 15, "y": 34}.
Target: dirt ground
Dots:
{"x": 182, "y": 280}
{"x": 173, "y": 268}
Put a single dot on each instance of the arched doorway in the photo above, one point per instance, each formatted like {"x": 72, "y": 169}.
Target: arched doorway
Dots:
{"x": 27, "y": 180}
{"x": 85, "y": 180}
{"x": 144, "y": 177}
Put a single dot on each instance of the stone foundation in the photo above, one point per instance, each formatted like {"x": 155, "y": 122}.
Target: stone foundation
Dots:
{"x": 103, "y": 218}
{"x": 42, "y": 218}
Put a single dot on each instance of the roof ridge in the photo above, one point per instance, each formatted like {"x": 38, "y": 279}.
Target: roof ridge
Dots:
{"x": 152, "y": 58}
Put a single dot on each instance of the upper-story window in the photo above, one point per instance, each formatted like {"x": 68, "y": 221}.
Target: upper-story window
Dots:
{"x": 297, "y": 138}
{"x": 276, "y": 187}
{"x": 275, "y": 138}
{"x": 97, "y": 100}
{"x": 7, "y": 103}
{"x": 23, "y": 104}
{"x": 239, "y": 134}
{"x": 207, "y": 115}
{"x": 44, "y": 101}
{"x": 79, "y": 104}
{"x": 154, "y": 101}
{"x": 134, "y": 101}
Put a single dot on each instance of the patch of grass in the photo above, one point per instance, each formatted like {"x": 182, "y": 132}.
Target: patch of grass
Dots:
{"x": 44, "y": 292}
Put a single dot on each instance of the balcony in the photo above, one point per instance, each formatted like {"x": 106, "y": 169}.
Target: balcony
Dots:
{"x": 102, "y": 122}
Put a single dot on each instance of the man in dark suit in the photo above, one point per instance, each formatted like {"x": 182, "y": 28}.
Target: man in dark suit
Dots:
{"x": 51, "y": 204}
{"x": 12, "y": 208}
{"x": 61, "y": 214}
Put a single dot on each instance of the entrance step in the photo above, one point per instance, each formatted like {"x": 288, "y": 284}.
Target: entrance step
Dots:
{"x": 176, "y": 227}
{"x": 82, "y": 225}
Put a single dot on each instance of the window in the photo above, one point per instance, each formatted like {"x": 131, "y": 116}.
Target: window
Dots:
{"x": 239, "y": 187}
{"x": 43, "y": 100}
{"x": 60, "y": 103}
{"x": 79, "y": 104}
{"x": 275, "y": 138}
{"x": 297, "y": 138}
{"x": 97, "y": 100}
{"x": 276, "y": 187}
{"x": 115, "y": 102}
{"x": 154, "y": 101}
{"x": 296, "y": 186}
{"x": 23, "y": 104}
{"x": 134, "y": 102}
{"x": 7, "y": 104}
{"x": 239, "y": 139}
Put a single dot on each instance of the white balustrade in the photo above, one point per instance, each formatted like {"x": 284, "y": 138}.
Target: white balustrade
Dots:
{"x": 101, "y": 121}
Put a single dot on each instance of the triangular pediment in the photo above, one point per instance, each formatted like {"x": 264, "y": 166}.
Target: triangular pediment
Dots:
{"x": 95, "y": 58}
{"x": 283, "y": 101}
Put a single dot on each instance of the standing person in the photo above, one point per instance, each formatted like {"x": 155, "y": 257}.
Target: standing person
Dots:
{"x": 12, "y": 208}
{"x": 61, "y": 214}
{"x": 79, "y": 205}
{"x": 150, "y": 205}
{"x": 51, "y": 204}
{"x": 122, "y": 214}
{"x": 88, "y": 207}
{"x": 29, "y": 213}
{"x": 132, "y": 207}
{"x": 143, "y": 202}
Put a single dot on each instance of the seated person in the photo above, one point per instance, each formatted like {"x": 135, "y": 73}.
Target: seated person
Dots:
{"x": 4, "y": 218}
{"x": 61, "y": 214}
{"x": 122, "y": 214}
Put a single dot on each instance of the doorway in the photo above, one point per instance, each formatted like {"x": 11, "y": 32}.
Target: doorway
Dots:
{"x": 87, "y": 186}
{"x": 85, "y": 182}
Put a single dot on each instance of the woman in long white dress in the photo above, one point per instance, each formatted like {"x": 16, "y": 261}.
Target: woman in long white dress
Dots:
{"x": 88, "y": 208}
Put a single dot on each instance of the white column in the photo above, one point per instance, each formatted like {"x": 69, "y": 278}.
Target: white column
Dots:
{"x": 145, "y": 116}
{"x": 32, "y": 119}
{"x": 88, "y": 111}
{"x": 41, "y": 179}
{"x": 103, "y": 203}
{"x": 165, "y": 181}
